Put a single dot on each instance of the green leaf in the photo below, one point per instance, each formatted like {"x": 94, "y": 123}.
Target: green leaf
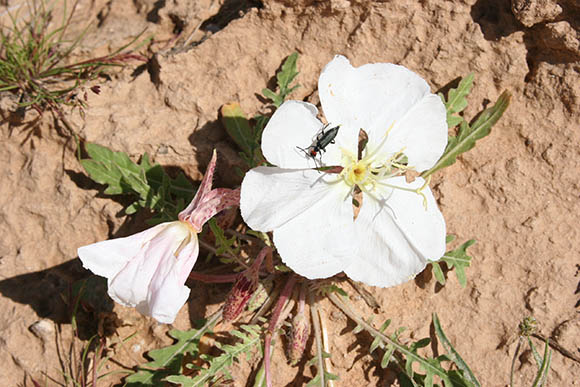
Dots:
{"x": 116, "y": 170}
{"x": 456, "y": 100}
{"x": 453, "y": 354}
{"x": 469, "y": 134}
{"x": 147, "y": 182}
{"x": 249, "y": 336}
{"x": 223, "y": 244}
{"x": 459, "y": 259}
{"x": 273, "y": 96}
{"x": 285, "y": 77}
{"x": 438, "y": 273}
{"x": 288, "y": 72}
{"x": 387, "y": 356}
{"x": 167, "y": 361}
{"x": 238, "y": 126}
{"x": 544, "y": 369}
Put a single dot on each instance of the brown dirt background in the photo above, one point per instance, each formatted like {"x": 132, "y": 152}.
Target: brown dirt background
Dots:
{"x": 517, "y": 192}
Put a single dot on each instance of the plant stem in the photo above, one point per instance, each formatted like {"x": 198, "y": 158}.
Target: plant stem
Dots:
{"x": 212, "y": 249}
{"x": 213, "y": 278}
{"x": 273, "y": 324}
{"x": 317, "y": 337}
{"x": 348, "y": 310}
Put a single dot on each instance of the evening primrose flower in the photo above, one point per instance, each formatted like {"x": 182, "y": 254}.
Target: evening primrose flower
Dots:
{"x": 148, "y": 270}
{"x": 397, "y": 227}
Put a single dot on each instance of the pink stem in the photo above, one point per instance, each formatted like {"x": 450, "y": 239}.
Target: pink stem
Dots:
{"x": 213, "y": 278}
{"x": 286, "y": 292}
{"x": 260, "y": 258}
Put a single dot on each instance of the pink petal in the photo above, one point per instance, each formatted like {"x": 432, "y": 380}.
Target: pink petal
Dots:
{"x": 167, "y": 292}
{"x": 204, "y": 188}
{"x": 216, "y": 201}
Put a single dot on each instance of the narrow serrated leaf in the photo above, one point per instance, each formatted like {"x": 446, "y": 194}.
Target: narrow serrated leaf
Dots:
{"x": 453, "y": 354}
{"x": 468, "y": 135}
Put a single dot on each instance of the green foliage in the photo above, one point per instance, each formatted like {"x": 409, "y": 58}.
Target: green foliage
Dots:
{"x": 168, "y": 361}
{"x": 244, "y": 135}
{"x": 33, "y": 56}
{"x": 465, "y": 375}
{"x": 468, "y": 134}
{"x": 457, "y": 101}
{"x": 457, "y": 259}
{"x": 222, "y": 243}
{"x": 249, "y": 338}
{"x": 284, "y": 77}
{"x": 432, "y": 367}
{"x": 317, "y": 380}
{"x": 527, "y": 328}
{"x": 542, "y": 363}
{"x": 148, "y": 183}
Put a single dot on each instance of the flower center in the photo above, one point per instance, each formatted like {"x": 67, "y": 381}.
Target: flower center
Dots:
{"x": 371, "y": 172}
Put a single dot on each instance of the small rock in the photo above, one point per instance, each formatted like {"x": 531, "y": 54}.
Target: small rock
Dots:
{"x": 42, "y": 329}
{"x": 561, "y": 36}
{"x": 530, "y": 12}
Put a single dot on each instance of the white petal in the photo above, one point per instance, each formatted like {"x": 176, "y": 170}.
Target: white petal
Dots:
{"x": 130, "y": 286}
{"x": 272, "y": 196}
{"x": 293, "y": 125}
{"x": 107, "y": 258}
{"x": 313, "y": 243}
{"x": 422, "y": 133}
{"x": 370, "y": 97}
{"x": 396, "y": 240}
{"x": 167, "y": 291}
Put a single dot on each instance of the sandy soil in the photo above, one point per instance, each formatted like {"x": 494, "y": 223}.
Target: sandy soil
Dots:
{"x": 517, "y": 192}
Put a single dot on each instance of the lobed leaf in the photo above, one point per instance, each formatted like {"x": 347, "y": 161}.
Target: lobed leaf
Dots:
{"x": 459, "y": 260}
{"x": 456, "y": 100}
{"x": 284, "y": 78}
{"x": 167, "y": 361}
{"x": 249, "y": 336}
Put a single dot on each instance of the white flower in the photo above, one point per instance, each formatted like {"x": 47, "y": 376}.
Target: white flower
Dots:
{"x": 148, "y": 270}
{"x": 399, "y": 227}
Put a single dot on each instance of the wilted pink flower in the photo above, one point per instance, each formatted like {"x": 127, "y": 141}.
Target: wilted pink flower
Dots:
{"x": 244, "y": 288}
{"x": 298, "y": 337}
{"x": 148, "y": 270}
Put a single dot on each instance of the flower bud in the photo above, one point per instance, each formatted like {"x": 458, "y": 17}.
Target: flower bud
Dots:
{"x": 260, "y": 295}
{"x": 239, "y": 296}
{"x": 298, "y": 338}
